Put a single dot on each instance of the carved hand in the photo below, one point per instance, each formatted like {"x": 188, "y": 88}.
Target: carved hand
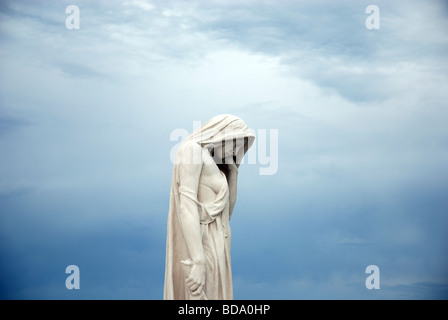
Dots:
{"x": 196, "y": 279}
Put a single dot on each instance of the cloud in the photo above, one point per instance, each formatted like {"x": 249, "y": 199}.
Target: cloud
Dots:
{"x": 329, "y": 44}
{"x": 13, "y": 189}
{"x": 10, "y": 123}
{"x": 144, "y": 5}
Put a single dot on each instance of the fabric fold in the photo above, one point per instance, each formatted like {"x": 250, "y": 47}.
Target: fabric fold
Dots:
{"x": 207, "y": 211}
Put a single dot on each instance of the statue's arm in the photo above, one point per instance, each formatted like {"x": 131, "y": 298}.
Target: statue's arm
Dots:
{"x": 188, "y": 210}
{"x": 189, "y": 220}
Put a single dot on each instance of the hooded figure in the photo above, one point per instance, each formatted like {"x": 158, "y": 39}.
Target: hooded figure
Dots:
{"x": 203, "y": 192}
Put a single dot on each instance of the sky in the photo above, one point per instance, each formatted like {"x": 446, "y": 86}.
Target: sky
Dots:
{"x": 87, "y": 117}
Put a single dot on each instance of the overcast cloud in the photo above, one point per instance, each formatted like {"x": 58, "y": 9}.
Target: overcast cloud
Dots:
{"x": 86, "y": 117}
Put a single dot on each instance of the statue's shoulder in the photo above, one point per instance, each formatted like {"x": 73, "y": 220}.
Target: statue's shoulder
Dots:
{"x": 190, "y": 152}
{"x": 189, "y": 145}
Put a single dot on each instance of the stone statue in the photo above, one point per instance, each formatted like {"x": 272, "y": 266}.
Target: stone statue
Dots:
{"x": 202, "y": 198}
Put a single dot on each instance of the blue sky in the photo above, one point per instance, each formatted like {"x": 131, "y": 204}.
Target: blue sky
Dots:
{"x": 86, "y": 117}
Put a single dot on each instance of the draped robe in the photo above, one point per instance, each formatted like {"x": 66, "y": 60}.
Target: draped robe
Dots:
{"x": 214, "y": 218}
